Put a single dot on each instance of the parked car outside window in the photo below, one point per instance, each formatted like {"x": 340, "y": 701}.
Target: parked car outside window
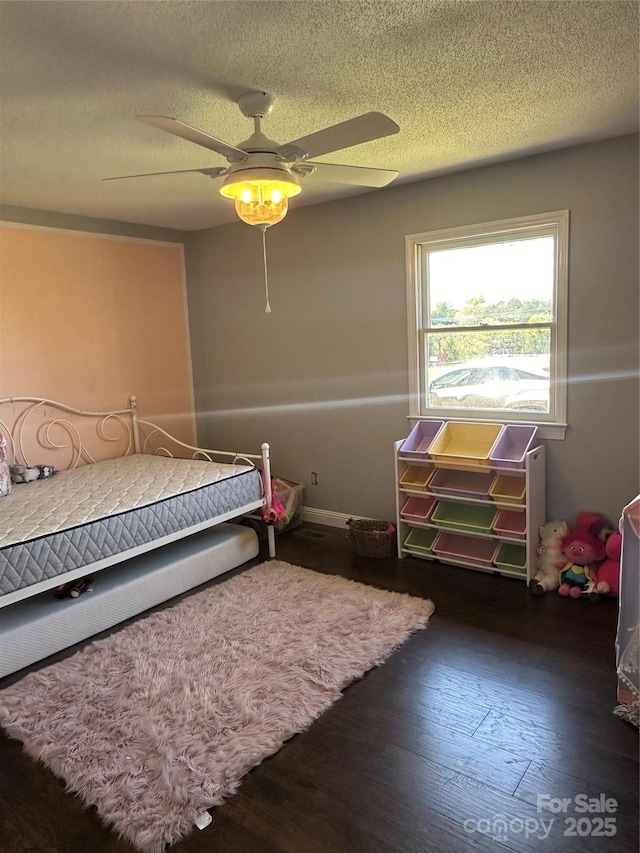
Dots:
{"x": 492, "y": 385}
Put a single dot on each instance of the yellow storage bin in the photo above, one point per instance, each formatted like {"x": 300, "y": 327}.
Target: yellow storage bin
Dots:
{"x": 508, "y": 490}
{"x": 465, "y": 444}
{"x": 416, "y": 479}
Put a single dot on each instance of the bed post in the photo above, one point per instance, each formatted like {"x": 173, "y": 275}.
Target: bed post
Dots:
{"x": 134, "y": 423}
{"x": 268, "y": 497}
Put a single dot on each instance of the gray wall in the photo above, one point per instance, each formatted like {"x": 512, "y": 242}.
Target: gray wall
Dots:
{"x": 323, "y": 378}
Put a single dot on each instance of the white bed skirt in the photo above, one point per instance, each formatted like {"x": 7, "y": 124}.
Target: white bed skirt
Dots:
{"x": 37, "y": 627}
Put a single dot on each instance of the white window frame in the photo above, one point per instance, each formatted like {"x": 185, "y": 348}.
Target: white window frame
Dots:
{"x": 556, "y": 224}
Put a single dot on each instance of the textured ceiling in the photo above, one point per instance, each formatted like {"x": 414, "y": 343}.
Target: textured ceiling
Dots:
{"x": 468, "y": 82}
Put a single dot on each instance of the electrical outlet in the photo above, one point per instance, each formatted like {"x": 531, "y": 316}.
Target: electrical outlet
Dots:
{"x": 314, "y": 478}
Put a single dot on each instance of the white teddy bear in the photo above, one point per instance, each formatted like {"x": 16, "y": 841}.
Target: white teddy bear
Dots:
{"x": 547, "y": 574}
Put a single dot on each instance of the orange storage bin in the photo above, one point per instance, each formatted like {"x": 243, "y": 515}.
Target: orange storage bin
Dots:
{"x": 508, "y": 490}
{"x": 416, "y": 479}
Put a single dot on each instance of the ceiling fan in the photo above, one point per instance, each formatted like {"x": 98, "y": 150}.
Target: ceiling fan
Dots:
{"x": 263, "y": 174}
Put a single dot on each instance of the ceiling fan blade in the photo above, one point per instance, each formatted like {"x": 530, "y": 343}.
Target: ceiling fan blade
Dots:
{"x": 354, "y": 131}
{"x": 213, "y": 172}
{"x": 192, "y": 134}
{"x": 358, "y": 176}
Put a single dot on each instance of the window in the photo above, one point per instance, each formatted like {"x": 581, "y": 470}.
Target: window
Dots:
{"x": 487, "y": 311}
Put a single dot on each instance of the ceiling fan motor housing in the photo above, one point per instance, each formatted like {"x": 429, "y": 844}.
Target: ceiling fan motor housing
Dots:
{"x": 256, "y": 104}
{"x": 261, "y": 166}
{"x": 261, "y": 188}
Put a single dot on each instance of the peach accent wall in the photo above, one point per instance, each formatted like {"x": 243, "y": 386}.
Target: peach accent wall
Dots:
{"x": 88, "y": 320}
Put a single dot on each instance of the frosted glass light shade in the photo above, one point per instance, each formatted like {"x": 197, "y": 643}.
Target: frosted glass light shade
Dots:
{"x": 262, "y": 213}
{"x": 261, "y": 195}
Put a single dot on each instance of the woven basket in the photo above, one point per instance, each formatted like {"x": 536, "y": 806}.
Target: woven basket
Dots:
{"x": 372, "y": 538}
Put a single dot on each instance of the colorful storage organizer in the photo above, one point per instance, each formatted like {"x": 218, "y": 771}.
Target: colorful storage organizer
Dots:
{"x": 475, "y": 494}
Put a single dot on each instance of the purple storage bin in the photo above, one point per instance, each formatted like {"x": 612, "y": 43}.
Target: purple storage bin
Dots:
{"x": 511, "y": 524}
{"x": 418, "y": 509}
{"x": 420, "y": 437}
{"x": 468, "y": 484}
{"x": 512, "y": 445}
{"x": 468, "y": 549}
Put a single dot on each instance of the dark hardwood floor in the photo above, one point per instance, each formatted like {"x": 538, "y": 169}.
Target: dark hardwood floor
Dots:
{"x": 448, "y": 746}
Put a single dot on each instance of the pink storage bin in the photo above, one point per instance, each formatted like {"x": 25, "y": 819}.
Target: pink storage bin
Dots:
{"x": 468, "y": 549}
{"x": 510, "y": 449}
{"x": 468, "y": 484}
{"x": 418, "y": 509}
{"x": 420, "y": 438}
{"x": 511, "y": 524}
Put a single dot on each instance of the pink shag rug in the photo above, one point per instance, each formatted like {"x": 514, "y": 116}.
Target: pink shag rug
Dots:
{"x": 160, "y": 721}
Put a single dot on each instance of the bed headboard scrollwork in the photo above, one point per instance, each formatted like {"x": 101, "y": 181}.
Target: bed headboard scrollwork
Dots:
{"x": 42, "y": 431}
{"x": 38, "y": 430}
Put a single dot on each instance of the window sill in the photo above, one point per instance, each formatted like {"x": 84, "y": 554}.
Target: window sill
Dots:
{"x": 553, "y": 431}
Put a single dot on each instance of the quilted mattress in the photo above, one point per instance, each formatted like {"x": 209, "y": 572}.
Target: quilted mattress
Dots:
{"x": 78, "y": 517}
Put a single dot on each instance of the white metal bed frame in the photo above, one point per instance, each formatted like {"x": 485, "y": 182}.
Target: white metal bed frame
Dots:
{"x": 36, "y": 626}
{"x": 39, "y": 430}
{"x": 37, "y": 419}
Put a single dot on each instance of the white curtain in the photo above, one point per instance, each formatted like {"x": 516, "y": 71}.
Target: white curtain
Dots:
{"x": 628, "y": 636}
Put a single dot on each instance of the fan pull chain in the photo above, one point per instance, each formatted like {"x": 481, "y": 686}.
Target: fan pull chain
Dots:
{"x": 263, "y": 228}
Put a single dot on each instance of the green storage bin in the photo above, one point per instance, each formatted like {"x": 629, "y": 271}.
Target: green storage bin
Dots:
{"x": 466, "y": 517}
{"x": 512, "y": 558}
{"x": 420, "y": 541}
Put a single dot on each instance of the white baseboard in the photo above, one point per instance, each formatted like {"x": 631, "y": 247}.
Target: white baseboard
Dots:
{"x": 326, "y": 517}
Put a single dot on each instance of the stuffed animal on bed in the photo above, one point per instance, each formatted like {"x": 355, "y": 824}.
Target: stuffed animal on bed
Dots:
{"x": 549, "y": 554}
{"x": 29, "y": 473}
